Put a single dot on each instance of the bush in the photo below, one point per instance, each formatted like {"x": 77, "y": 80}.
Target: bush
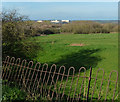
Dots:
{"x": 48, "y": 31}
{"x": 11, "y": 94}
{"x": 86, "y": 27}
{"x": 15, "y": 32}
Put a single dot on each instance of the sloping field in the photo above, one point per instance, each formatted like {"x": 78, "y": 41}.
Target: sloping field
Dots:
{"x": 82, "y": 50}
{"x": 95, "y": 50}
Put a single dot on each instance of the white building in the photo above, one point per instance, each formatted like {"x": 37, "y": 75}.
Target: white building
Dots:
{"x": 40, "y": 21}
{"x": 65, "y": 21}
{"x": 55, "y": 21}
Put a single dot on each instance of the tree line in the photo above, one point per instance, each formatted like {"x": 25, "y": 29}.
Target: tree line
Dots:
{"x": 75, "y": 27}
{"x": 87, "y": 27}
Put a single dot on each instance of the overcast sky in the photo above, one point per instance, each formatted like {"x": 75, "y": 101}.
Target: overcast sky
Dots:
{"x": 66, "y": 10}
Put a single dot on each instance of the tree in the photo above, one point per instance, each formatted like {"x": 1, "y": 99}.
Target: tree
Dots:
{"x": 12, "y": 16}
{"x": 14, "y": 36}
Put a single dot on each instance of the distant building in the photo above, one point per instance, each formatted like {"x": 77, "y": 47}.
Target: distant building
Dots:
{"x": 65, "y": 21}
{"x": 40, "y": 21}
{"x": 55, "y": 21}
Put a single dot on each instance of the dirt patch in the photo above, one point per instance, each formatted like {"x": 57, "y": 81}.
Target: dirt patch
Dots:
{"x": 77, "y": 44}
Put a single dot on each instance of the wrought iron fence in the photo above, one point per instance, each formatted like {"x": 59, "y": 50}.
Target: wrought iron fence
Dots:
{"x": 58, "y": 84}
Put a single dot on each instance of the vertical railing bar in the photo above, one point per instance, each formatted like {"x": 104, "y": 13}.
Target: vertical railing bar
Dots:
{"x": 108, "y": 86}
{"x": 39, "y": 80}
{"x": 8, "y": 68}
{"x": 89, "y": 84}
{"x": 81, "y": 88}
{"x": 115, "y": 87}
{"x": 61, "y": 81}
{"x": 16, "y": 65}
{"x": 11, "y": 73}
{"x": 46, "y": 82}
{"x": 6, "y": 62}
{"x": 76, "y": 86}
{"x": 28, "y": 77}
{"x": 55, "y": 86}
{"x": 52, "y": 81}
{"x": 3, "y": 69}
{"x": 95, "y": 82}
{"x": 33, "y": 74}
{"x": 48, "y": 76}
{"x": 94, "y": 86}
{"x": 101, "y": 85}
{"x": 78, "y": 79}
{"x": 22, "y": 70}
{"x": 24, "y": 77}
{"x": 17, "y": 75}
{"x": 35, "y": 81}
{"x": 84, "y": 95}
{"x": 11, "y": 67}
{"x": 36, "y": 76}
{"x": 71, "y": 82}
{"x": 65, "y": 83}
{"x": 41, "y": 75}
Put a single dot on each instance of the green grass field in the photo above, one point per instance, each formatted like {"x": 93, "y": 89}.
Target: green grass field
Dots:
{"x": 99, "y": 51}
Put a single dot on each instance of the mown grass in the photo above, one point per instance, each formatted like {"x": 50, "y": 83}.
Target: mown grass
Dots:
{"x": 100, "y": 51}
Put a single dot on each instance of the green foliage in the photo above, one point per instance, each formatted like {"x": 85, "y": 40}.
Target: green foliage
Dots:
{"x": 14, "y": 33}
{"x": 86, "y": 27}
{"x": 11, "y": 32}
{"x": 12, "y": 94}
{"x": 32, "y": 28}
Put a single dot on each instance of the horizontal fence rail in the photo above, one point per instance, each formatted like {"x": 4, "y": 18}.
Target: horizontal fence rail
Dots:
{"x": 60, "y": 84}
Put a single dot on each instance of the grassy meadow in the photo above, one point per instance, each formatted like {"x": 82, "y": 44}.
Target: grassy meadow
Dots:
{"x": 95, "y": 50}
{"x": 82, "y": 50}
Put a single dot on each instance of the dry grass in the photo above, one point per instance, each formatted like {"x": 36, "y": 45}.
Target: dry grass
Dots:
{"x": 77, "y": 44}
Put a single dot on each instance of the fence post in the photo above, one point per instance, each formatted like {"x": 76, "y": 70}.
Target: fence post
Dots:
{"x": 89, "y": 83}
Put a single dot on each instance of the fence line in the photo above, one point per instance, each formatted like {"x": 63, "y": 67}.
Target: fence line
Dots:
{"x": 55, "y": 83}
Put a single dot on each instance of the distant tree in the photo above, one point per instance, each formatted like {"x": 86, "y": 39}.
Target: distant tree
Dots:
{"x": 86, "y": 27}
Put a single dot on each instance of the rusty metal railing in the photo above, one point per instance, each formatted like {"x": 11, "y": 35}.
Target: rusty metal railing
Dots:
{"x": 60, "y": 84}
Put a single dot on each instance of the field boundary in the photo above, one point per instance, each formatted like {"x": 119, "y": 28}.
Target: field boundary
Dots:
{"x": 54, "y": 83}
